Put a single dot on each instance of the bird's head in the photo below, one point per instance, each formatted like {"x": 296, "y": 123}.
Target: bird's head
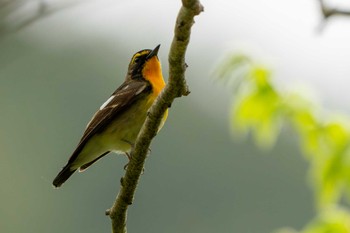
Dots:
{"x": 144, "y": 64}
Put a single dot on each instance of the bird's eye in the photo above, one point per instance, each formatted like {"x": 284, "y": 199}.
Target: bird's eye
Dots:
{"x": 137, "y": 59}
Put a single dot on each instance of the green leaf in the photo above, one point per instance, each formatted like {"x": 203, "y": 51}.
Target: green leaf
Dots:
{"x": 332, "y": 220}
{"x": 262, "y": 109}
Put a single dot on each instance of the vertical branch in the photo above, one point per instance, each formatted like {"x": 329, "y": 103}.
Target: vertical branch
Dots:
{"x": 176, "y": 87}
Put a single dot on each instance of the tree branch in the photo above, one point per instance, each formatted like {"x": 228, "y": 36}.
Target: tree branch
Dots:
{"x": 176, "y": 87}
{"x": 43, "y": 9}
{"x": 331, "y": 11}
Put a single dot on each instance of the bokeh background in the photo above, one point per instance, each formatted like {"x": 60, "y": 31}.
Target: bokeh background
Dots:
{"x": 56, "y": 71}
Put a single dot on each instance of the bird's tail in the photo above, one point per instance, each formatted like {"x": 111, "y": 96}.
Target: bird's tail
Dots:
{"x": 63, "y": 176}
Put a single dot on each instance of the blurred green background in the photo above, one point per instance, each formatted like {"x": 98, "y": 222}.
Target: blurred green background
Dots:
{"x": 57, "y": 71}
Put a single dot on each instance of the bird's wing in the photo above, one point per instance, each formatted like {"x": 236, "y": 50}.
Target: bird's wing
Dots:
{"x": 120, "y": 100}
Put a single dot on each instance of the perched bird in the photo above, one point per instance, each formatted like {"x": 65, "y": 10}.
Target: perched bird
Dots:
{"x": 115, "y": 126}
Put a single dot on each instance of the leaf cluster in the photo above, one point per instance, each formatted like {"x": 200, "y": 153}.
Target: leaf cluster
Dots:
{"x": 263, "y": 109}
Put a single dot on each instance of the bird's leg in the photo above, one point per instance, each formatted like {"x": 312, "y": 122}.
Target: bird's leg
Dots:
{"x": 129, "y": 155}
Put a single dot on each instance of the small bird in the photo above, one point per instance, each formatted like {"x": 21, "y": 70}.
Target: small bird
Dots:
{"x": 115, "y": 126}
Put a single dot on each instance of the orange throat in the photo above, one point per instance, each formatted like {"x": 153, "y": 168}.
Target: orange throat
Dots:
{"x": 152, "y": 72}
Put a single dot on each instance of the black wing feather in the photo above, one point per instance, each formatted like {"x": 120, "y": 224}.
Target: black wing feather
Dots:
{"x": 125, "y": 95}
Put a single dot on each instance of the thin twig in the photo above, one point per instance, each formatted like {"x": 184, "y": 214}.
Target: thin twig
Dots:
{"x": 43, "y": 10}
{"x": 328, "y": 11}
{"x": 176, "y": 87}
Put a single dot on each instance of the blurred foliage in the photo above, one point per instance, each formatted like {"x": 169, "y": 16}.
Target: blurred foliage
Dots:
{"x": 261, "y": 108}
{"x": 17, "y": 14}
{"x": 332, "y": 220}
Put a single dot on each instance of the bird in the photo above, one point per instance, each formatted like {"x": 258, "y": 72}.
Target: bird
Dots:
{"x": 115, "y": 126}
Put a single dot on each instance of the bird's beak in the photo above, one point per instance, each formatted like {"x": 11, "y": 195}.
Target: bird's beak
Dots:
{"x": 153, "y": 53}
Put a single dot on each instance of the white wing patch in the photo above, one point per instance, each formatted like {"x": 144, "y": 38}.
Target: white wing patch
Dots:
{"x": 114, "y": 105}
{"x": 107, "y": 102}
{"x": 87, "y": 126}
{"x": 126, "y": 87}
{"x": 140, "y": 90}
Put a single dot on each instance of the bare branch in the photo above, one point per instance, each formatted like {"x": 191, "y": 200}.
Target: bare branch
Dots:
{"x": 9, "y": 8}
{"x": 328, "y": 11}
{"x": 176, "y": 87}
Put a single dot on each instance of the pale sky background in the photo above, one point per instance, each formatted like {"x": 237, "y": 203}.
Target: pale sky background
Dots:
{"x": 283, "y": 35}
{"x": 56, "y": 72}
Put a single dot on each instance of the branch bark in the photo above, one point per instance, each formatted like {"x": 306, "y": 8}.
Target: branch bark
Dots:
{"x": 331, "y": 11}
{"x": 176, "y": 87}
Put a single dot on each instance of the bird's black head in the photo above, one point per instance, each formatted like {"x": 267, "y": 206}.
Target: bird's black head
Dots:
{"x": 139, "y": 60}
